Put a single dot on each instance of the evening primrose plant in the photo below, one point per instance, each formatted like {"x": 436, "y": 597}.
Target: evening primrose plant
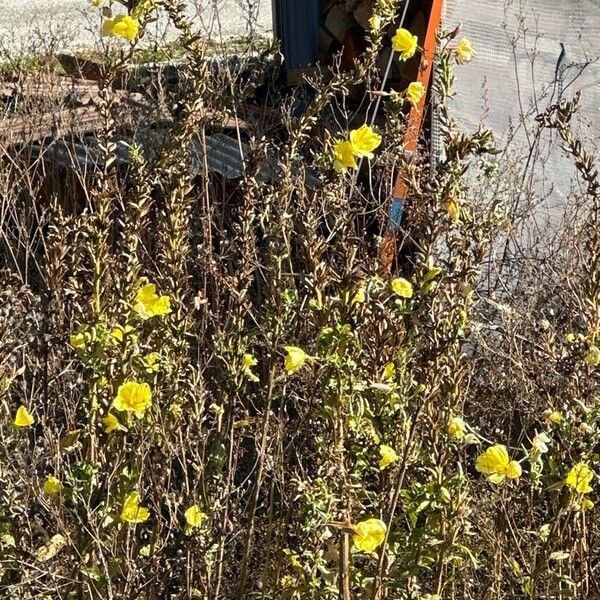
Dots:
{"x": 216, "y": 390}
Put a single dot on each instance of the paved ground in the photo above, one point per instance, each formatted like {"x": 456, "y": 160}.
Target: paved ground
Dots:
{"x": 37, "y": 24}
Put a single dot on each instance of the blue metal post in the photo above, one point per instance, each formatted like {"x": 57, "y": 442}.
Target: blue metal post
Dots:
{"x": 297, "y": 27}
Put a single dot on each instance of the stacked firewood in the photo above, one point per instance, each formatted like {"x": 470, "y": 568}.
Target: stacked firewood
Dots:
{"x": 344, "y": 31}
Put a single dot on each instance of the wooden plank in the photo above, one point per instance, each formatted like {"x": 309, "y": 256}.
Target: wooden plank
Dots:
{"x": 71, "y": 121}
{"x": 63, "y": 91}
{"x": 30, "y": 86}
{"x": 59, "y": 123}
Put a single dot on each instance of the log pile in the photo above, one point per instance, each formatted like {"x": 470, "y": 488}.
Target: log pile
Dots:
{"x": 344, "y": 30}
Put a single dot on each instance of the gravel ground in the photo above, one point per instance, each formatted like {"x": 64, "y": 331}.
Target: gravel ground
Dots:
{"x": 33, "y": 25}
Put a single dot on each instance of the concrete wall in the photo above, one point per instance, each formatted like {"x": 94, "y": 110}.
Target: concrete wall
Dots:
{"x": 29, "y": 24}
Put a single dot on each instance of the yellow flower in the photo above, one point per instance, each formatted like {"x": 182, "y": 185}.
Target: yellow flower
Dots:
{"x": 405, "y": 43}
{"x": 149, "y": 304}
{"x": 592, "y": 358}
{"x": 194, "y": 516}
{"x": 111, "y": 423}
{"x": 389, "y": 370}
{"x": 587, "y": 504}
{"x": 248, "y": 361}
{"x": 415, "y": 92}
{"x": 132, "y": 512}
{"x": 364, "y": 140}
{"x": 453, "y": 209}
{"x": 343, "y": 157}
{"x": 369, "y": 535}
{"x": 388, "y": 456}
{"x": 540, "y": 443}
{"x": 375, "y": 23}
{"x": 122, "y": 26}
{"x": 52, "y": 486}
{"x": 79, "y": 338}
{"x": 556, "y": 417}
{"x": 402, "y": 287}
{"x": 360, "y": 296}
{"x": 95, "y": 2}
{"x": 295, "y": 359}
{"x": 152, "y": 362}
{"x": 464, "y": 52}
{"x": 496, "y": 463}
{"x": 133, "y": 397}
{"x": 580, "y": 477}
{"x": 456, "y": 428}
{"x": 23, "y": 418}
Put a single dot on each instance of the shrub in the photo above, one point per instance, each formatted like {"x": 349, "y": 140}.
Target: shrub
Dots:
{"x": 223, "y": 394}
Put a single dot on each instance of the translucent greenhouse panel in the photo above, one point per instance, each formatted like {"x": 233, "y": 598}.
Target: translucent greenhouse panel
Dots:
{"x": 520, "y": 69}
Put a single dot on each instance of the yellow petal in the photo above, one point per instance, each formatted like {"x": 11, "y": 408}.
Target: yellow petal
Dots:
{"x": 194, "y": 516}
{"x": 405, "y": 43}
{"x": 132, "y": 512}
{"x": 586, "y": 504}
{"x": 388, "y": 456}
{"x": 52, "y": 486}
{"x": 493, "y": 460}
{"x": 152, "y": 362}
{"x": 369, "y": 535}
{"x": 415, "y": 92}
{"x": 364, "y": 141}
{"x": 78, "y": 339}
{"x": 343, "y": 157}
{"x": 248, "y": 361}
{"x": 464, "y": 51}
{"x": 111, "y": 423}
{"x": 295, "y": 359}
{"x": 126, "y": 27}
{"x": 360, "y": 296}
{"x": 456, "y": 428}
{"x": 133, "y": 397}
{"x": 23, "y": 418}
{"x": 556, "y": 417}
{"x": 580, "y": 477}
{"x": 389, "y": 371}
{"x": 513, "y": 470}
{"x": 402, "y": 287}
{"x": 149, "y": 304}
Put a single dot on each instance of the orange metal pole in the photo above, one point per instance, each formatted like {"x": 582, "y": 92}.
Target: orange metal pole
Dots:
{"x": 415, "y": 118}
{"x": 388, "y": 246}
